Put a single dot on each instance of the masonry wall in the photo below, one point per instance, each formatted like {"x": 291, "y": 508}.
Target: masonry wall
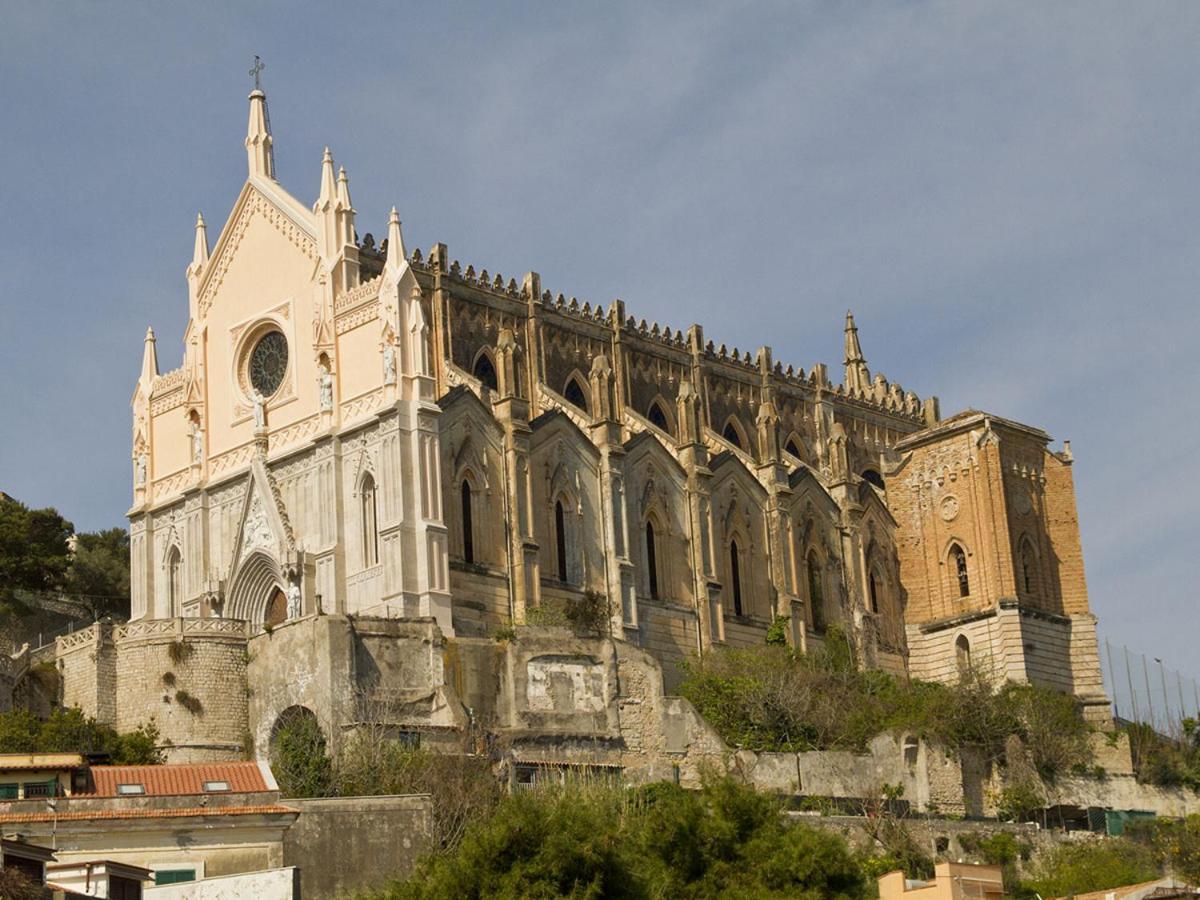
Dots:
{"x": 86, "y": 669}
{"x": 670, "y": 634}
{"x": 372, "y": 840}
{"x": 188, "y": 677}
{"x": 9, "y": 672}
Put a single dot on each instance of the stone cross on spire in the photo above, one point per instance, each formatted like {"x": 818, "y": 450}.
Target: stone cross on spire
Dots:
{"x": 260, "y": 155}
{"x": 256, "y": 72}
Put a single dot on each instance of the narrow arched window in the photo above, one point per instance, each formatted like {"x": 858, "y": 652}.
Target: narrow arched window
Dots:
{"x": 575, "y": 394}
{"x": 735, "y": 576}
{"x": 485, "y": 371}
{"x": 468, "y": 527}
{"x": 658, "y": 416}
{"x": 874, "y": 478}
{"x": 560, "y": 539}
{"x": 731, "y": 434}
{"x": 174, "y": 582}
{"x": 1029, "y": 573}
{"x": 959, "y": 560}
{"x": 873, "y": 590}
{"x": 816, "y": 592}
{"x": 794, "y": 449}
{"x": 370, "y": 527}
{"x": 651, "y": 560}
{"x": 962, "y": 655}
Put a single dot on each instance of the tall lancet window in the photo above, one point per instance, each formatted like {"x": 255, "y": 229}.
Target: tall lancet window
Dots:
{"x": 174, "y": 582}
{"x": 560, "y": 539}
{"x": 735, "y": 576}
{"x": 958, "y": 559}
{"x": 468, "y": 526}
{"x": 651, "y": 560}
{"x": 816, "y": 592}
{"x": 370, "y": 526}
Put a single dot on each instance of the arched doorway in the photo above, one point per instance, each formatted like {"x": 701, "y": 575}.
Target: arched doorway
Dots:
{"x": 257, "y": 592}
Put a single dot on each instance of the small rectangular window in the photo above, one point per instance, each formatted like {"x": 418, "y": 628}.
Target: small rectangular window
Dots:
{"x": 174, "y": 876}
{"x": 216, "y": 786}
{"x": 129, "y": 789}
{"x": 40, "y": 789}
{"x": 9, "y": 791}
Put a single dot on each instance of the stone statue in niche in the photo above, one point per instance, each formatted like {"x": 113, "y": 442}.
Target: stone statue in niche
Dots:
{"x": 140, "y": 470}
{"x": 197, "y": 443}
{"x": 293, "y": 600}
{"x": 325, "y": 385}
{"x": 389, "y": 364}
{"x": 260, "y": 412}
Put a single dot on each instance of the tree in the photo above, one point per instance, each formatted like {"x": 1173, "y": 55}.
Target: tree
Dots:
{"x": 588, "y": 839}
{"x": 98, "y": 575}
{"x": 15, "y": 886}
{"x": 34, "y": 553}
{"x": 70, "y": 731}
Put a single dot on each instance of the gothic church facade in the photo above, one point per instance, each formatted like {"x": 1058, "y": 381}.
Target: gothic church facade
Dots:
{"x": 375, "y": 431}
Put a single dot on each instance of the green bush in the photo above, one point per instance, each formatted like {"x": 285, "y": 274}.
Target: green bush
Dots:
{"x": 1175, "y": 842}
{"x": 1159, "y": 760}
{"x": 1094, "y": 865}
{"x": 300, "y": 760}
{"x": 588, "y": 840}
{"x": 70, "y": 731}
{"x": 462, "y": 788}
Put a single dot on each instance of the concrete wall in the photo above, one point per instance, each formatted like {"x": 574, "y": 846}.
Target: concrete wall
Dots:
{"x": 372, "y": 840}
{"x": 273, "y": 884}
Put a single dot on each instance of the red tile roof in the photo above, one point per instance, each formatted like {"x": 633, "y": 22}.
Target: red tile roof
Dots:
{"x": 98, "y": 814}
{"x": 179, "y": 780}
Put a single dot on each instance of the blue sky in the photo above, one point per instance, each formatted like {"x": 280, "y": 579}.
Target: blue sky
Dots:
{"x": 1006, "y": 194}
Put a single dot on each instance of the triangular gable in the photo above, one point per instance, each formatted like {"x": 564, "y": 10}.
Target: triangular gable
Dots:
{"x": 869, "y": 499}
{"x": 264, "y": 524}
{"x": 257, "y": 199}
{"x": 556, "y": 422}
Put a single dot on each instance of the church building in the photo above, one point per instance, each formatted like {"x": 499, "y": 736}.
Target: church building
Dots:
{"x": 376, "y": 431}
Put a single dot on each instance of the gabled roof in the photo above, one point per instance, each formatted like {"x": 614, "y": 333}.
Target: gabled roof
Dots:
{"x": 182, "y": 779}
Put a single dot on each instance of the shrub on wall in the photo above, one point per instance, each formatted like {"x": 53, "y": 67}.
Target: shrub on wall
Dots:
{"x": 773, "y": 698}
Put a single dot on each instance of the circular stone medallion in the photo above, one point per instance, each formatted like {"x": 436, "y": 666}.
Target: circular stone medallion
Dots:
{"x": 949, "y": 508}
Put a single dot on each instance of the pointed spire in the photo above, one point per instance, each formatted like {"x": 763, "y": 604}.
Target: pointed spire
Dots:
{"x": 328, "y": 186}
{"x": 200, "y": 250}
{"x": 396, "y": 254}
{"x": 857, "y": 377}
{"x": 259, "y": 155}
{"x": 149, "y": 358}
{"x": 853, "y": 349}
{"x": 343, "y": 189}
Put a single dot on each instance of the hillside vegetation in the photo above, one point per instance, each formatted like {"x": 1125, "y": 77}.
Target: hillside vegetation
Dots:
{"x": 772, "y": 698}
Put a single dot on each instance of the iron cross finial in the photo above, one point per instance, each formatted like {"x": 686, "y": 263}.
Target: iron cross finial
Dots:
{"x": 256, "y": 71}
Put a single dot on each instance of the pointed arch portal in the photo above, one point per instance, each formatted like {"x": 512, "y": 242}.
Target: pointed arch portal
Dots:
{"x": 254, "y": 588}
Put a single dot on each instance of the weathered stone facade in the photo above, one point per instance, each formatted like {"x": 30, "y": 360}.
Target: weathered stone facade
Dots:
{"x": 373, "y": 463}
